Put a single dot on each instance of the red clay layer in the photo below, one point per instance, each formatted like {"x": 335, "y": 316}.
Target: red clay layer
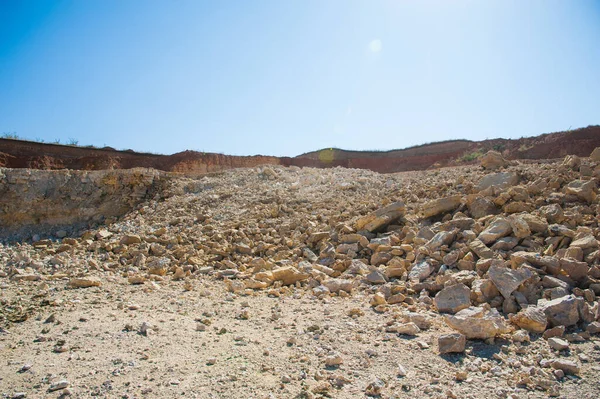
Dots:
{"x": 26, "y": 154}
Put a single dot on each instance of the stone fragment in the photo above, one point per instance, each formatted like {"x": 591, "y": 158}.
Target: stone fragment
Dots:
{"x": 376, "y": 277}
{"x": 289, "y": 275}
{"x": 480, "y": 249}
{"x": 440, "y": 206}
{"x": 531, "y": 319}
{"x": 558, "y": 344}
{"x": 130, "y": 239}
{"x": 567, "y": 366}
{"x": 336, "y": 285}
{"x": 452, "y": 343}
{"x": 595, "y": 155}
{"x": 501, "y": 180}
{"x": 374, "y": 388}
{"x": 574, "y": 269}
{"x": 159, "y": 266}
{"x": 481, "y": 206}
{"x": 453, "y": 299}
{"x": 561, "y": 311}
{"x": 137, "y": 279}
{"x": 377, "y": 299}
{"x": 499, "y": 228}
{"x": 62, "y": 384}
{"x": 333, "y": 361}
{"x": 493, "y": 160}
{"x": 478, "y": 323}
{"x": 405, "y": 329}
{"x": 420, "y": 271}
{"x": 84, "y": 283}
{"x": 583, "y": 189}
{"x": 381, "y": 218}
{"x": 508, "y": 280}
{"x": 536, "y": 224}
{"x": 585, "y": 242}
{"x": 519, "y": 226}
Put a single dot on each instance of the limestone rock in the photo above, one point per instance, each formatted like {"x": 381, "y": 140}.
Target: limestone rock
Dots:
{"x": 567, "y": 366}
{"x": 493, "y": 160}
{"x": 595, "y": 155}
{"x": 531, "y": 319}
{"x": 452, "y": 299}
{"x": 501, "y": 180}
{"x": 583, "y": 189}
{"x": 376, "y": 277}
{"x": 84, "y": 282}
{"x": 508, "y": 280}
{"x": 439, "y": 206}
{"x": 562, "y": 311}
{"x": 336, "y": 285}
{"x": 420, "y": 271}
{"x": 478, "y": 323}
{"x": 382, "y": 217}
{"x": 289, "y": 275}
{"x": 558, "y": 344}
{"x": 452, "y": 343}
{"x": 500, "y": 227}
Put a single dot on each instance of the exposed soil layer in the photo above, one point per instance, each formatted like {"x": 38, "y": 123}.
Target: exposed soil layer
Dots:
{"x": 25, "y": 154}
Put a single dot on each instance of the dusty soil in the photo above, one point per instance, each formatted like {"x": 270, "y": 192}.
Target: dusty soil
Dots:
{"x": 229, "y": 286}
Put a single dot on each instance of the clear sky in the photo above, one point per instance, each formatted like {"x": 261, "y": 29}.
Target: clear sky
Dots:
{"x": 283, "y": 77}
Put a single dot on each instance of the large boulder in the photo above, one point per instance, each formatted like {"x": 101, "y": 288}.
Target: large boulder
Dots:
{"x": 531, "y": 319}
{"x": 499, "y": 180}
{"x": 493, "y": 160}
{"x": 439, "y": 206}
{"x": 381, "y": 218}
{"x": 595, "y": 155}
{"x": 478, "y": 323}
{"x": 453, "y": 299}
{"x": 507, "y": 280}
{"x": 499, "y": 228}
{"x": 582, "y": 189}
{"x": 561, "y": 311}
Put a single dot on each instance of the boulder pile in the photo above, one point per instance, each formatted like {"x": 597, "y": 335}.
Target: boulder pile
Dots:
{"x": 506, "y": 249}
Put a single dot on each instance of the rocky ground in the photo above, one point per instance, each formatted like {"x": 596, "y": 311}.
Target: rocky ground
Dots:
{"x": 275, "y": 282}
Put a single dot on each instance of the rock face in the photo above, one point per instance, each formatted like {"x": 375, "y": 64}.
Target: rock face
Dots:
{"x": 44, "y": 202}
{"x": 478, "y": 323}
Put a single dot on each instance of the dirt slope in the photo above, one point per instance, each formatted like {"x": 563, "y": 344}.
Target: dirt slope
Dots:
{"x": 25, "y": 154}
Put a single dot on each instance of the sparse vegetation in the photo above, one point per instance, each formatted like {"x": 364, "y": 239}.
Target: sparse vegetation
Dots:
{"x": 472, "y": 156}
{"x": 10, "y": 135}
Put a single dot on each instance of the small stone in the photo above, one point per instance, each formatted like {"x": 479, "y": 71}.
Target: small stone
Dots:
{"x": 211, "y": 361}
{"x": 145, "y": 328}
{"x": 62, "y": 384}
{"x": 84, "y": 283}
{"x": 568, "y": 366}
{"x": 333, "y": 361}
{"x": 452, "y": 343}
{"x": 374, "y": 388}
{"x": 558, "y": 344}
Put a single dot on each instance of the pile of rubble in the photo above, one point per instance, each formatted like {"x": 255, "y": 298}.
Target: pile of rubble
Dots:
{"x": 505, "y": 249}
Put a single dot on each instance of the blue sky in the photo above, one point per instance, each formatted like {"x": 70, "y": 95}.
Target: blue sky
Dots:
{"x": 285, "y": 77}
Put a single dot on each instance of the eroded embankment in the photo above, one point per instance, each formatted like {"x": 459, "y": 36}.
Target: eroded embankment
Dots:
{"x": 35, "y": 202}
